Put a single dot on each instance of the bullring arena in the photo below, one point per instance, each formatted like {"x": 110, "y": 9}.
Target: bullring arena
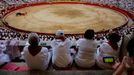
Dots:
{"x": 72, "y": 17}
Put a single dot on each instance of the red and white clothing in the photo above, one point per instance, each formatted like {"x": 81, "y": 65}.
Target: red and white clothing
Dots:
{"x": 39, "y": 61}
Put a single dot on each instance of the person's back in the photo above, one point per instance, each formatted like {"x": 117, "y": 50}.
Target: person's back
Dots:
{"x": 36, "y": 57}
{"x": 108, "y": 49}
{"x": 38, "y": 61}
{"x": 61, "y": 51}
{"x": 86, "y": 50}
{"x": 61, "y": 54}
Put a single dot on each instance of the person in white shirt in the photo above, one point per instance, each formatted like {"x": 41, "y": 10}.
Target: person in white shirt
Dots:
{"x": 3, "y": 46}
{"x": 36, "y": 57}
{"x": 61, "y": 57}
{"x": 87, "y": 46}
{"x": 108, "y": 49}
{"x": 4, "y": 58}
{"x": 13, "y": 48}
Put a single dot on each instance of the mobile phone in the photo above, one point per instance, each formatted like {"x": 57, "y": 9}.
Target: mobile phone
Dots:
{"x": 108, "y": 59}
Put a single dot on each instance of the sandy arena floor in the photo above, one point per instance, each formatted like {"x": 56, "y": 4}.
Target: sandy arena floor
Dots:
{"x": 73, "y": 18}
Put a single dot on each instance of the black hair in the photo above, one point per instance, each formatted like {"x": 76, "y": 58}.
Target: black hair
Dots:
{"x": 114, "y": 37}
{"x": 89, "y": 34}
{"x": 130, "y": 47}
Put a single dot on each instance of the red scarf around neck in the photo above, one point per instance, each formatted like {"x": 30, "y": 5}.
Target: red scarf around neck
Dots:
{"x": 34, "y": 50}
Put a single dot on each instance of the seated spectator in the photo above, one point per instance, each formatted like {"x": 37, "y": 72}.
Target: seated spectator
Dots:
{"x": 2, "y": 47}
{"x": 108, "y": 49}
{"x": 4, "y": 58}
{"x": 61, "y": 58}
{"x": 87, "y": 47}
{"x": 36, "y": 57}
{"x": 128, "y": 61}
{"x": 13, "y": 49}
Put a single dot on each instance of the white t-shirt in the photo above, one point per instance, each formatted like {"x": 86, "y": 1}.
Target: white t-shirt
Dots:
{"x": 61, "y": 52}
{"x": 86, "y": 53}
{"x": 13, "y": 48}
{"x": 105, "y": 50}
{"x": 39, "y": 61}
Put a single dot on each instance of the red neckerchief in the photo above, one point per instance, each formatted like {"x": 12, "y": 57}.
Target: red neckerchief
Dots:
{"x": 113, "y": 45}
{"x": 34, "y": 50}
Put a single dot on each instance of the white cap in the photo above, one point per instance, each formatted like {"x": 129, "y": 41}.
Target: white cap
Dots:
{"x": 59, "y": 32}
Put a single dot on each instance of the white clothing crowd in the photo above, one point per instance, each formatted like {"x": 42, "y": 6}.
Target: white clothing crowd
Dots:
{"x": 88, "y": 52}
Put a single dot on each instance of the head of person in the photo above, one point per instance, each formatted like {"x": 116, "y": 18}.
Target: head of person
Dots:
{"x": 60, "y": 35}
{"x": 114, "y": 37}
{"x": 33, "y": 39}
{"x": 89, "y": 34}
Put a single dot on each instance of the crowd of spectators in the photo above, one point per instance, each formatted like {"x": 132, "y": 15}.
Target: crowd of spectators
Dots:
{"x": 13, "y": 39}
{"x": 63, "y": 53}
{"x": 6, "y": 33}
{"x": 125, "y": 4}
{"x": 90, "y": 42}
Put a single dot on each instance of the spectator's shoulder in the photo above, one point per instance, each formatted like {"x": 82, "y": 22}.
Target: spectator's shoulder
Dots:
{"x": 44, "y": 49}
